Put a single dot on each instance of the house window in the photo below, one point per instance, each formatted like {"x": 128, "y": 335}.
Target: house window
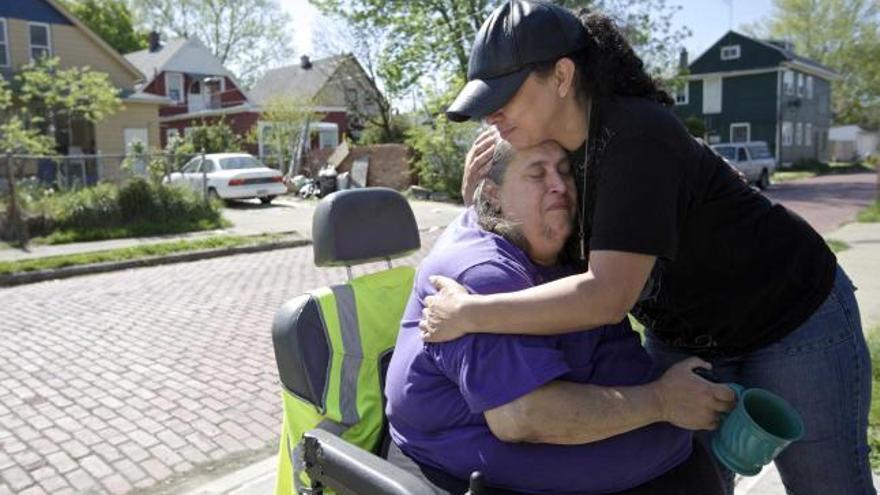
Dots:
{"x": 712, "y": 95}
{"x": 740, "y": 133}
{"x": 810, "y": 87}
{"x": 682, "y": 94}
{"x": 4, "y": 45}
{"x": 730, "y": 52}
{"x": 788, "y": 82}
{"x": 800, "y": 85}
{"x": 170, "y": 134}
{"x": 174, "y": 86}
{"x": 328, "y": 134}
{"x": 808, "y": 135}
{"x": 41, "y": 41}
{"x": 787, "y": 134}
{"x": 798, "y": 134}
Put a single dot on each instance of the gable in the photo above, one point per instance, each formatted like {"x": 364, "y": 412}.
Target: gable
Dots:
{"x": 349, "y": 86}
{"x": 33, "y": 11}
{"x": 752, "y": 55}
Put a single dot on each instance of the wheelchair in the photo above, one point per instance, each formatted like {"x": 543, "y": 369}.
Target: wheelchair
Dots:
{"x": 332, "y": 348}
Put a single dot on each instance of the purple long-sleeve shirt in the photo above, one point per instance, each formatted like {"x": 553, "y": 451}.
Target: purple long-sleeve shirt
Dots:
{"x": 437, "y": 393}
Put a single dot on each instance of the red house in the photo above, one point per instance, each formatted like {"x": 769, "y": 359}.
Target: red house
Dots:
{"x": 185, "y": 71}
{"x": 200, "y": 88}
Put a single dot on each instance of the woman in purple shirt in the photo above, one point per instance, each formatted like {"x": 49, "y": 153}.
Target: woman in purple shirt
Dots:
{"x": 581, "y": 413}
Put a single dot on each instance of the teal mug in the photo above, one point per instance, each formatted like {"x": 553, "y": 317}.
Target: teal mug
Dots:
{"x": 755, "y": 431}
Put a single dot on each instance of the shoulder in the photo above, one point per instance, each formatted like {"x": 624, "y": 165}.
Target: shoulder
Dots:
{"x": 481, "y": 261}
{"x": 633, "y": 115}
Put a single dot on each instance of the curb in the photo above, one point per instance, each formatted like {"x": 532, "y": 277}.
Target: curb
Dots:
{"x": 22, "y": 278}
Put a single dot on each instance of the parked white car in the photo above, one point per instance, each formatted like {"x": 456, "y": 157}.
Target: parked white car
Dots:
{"x": 753, "y": 159}
{"x": 230, "y": 176}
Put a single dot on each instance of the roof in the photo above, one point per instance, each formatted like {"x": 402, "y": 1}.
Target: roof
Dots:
{"x": 188, "y": 55}
{"x": 95, "y": 38}
{"x": 792, "y": 56}
{"x": 781, "y": 57}
{"x": 293, "y": 81}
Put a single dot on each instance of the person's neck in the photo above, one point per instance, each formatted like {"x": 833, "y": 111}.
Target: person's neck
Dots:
{"x": 575, "y": 122}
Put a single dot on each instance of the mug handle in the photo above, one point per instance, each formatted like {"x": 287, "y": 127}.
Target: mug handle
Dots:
{"x": 737, "y": 391}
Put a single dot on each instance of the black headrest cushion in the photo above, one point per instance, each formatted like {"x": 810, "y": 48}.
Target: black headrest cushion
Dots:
{"x": 363, "y": 225}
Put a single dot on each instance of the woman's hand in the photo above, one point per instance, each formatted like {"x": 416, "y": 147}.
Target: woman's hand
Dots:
{"x": 443, "y": 317}
{"x": 476, "y": 164}
{"x": 689, "y": 401}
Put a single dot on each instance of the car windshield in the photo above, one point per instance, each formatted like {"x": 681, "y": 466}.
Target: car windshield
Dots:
{"x": 239, "y": 162}
{"x": 759, "y": 151}
{"x": 728, "y": 152}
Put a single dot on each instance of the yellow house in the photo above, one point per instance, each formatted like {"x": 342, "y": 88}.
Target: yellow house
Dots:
{"x": 33, "y": 28}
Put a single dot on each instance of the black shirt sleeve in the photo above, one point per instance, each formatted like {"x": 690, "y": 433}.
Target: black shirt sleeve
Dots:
{"x": 636, "y": 197}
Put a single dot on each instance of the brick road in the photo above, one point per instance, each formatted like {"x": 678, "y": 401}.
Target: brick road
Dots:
{"x": 829, "y": 201}
{"x": 120, "y": 382}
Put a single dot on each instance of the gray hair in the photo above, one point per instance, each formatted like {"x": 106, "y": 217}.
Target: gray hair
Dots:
{"x": 488, "y": 208}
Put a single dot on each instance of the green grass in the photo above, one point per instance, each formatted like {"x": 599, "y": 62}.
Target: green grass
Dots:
{"x": 138, "y": 252}
{"x": 786, "y": 176}
{"x": 874, "y": 419}
{"x": 138, "y": 229}
{"x": 870, "y": 214}
{"x": 638, "y": 327}
{"x": 837, "y": 246}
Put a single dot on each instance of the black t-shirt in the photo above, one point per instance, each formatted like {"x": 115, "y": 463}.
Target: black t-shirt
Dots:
{"x": 734, "y": 271}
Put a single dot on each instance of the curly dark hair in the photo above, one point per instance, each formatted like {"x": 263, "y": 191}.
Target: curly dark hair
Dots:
{"x": 608, "y": 66}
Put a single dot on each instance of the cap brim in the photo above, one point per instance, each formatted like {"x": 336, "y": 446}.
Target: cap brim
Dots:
{"x": 480, "y": 97}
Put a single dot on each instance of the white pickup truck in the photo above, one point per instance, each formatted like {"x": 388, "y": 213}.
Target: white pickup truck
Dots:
{"x": 753, "y": 159}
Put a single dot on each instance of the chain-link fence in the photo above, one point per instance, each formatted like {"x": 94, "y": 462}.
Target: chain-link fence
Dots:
{"x": 34, "y": 190}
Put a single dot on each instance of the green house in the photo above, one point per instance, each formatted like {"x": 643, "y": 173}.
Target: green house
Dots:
{"x": 745, "y": 89}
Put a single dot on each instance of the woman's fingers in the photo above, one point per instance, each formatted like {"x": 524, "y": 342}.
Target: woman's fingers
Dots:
{"x": 442, "y": 284}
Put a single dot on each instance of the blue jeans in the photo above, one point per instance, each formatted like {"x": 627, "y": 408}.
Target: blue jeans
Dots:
{"x": 823, "y": 369}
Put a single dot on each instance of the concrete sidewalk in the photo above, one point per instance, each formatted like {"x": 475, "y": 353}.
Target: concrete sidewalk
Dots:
{"x": 862, "y": 263}
{"x": 287, "y": 215}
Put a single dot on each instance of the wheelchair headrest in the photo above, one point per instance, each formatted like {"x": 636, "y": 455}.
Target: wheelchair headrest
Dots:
{"x": 363, "y": 225}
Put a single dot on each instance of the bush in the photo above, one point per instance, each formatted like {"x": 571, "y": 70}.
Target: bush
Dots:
{"x": 376, "y": 134}
{"x": 439, "y": 153}
{"x": 810, "y": 165}
{"x": 105, "y": 212}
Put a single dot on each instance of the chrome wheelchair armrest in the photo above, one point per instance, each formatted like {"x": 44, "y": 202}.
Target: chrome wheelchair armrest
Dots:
{"x": 332, "y": 462}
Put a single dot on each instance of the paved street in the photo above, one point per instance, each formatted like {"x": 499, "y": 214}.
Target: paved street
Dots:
{"x": 128, "y": 379}
{"x": 828, "y": 201}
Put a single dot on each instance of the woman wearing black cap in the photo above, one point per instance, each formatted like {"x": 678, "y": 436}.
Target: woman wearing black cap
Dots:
{"x": 670, "y": 234}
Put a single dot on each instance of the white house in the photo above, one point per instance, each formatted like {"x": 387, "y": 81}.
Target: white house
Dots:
{"x": 851, "y": 142}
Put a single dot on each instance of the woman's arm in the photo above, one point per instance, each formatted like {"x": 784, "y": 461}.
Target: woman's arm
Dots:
{"x": 568, "y": 413}
{"x": 603, "y": 295}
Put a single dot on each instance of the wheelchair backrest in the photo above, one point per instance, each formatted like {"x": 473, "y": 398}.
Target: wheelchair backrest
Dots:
{"x": 330, "y": 343}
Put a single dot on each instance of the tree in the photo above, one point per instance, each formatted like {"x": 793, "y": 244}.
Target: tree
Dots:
{"x": 112, "y": 21}
{"x": 285, "y": 120}
{"x": 843, "y": 35}
{"x": 249, "y": 36}
{"x": 44, "y": 97}
{"x": 210, "y": 137}
{"x": 433, "y": 39}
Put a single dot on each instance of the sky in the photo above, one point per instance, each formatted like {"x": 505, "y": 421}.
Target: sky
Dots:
{"x": 708, "y": 20}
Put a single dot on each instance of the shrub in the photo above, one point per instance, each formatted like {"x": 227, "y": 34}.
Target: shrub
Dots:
{"x": 92, "y": 207}
{"x": 439, "y": 153}
{"x": 811, "y": 165}
{"x": 137, "y": 199}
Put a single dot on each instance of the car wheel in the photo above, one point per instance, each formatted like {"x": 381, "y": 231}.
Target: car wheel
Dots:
{"x": 764, "y": 180}
{"x": 213, "y": 195}
{"x": 267, "y": 200}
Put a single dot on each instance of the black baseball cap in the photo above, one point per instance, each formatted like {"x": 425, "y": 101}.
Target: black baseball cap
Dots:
{"x": 516, "y": 35}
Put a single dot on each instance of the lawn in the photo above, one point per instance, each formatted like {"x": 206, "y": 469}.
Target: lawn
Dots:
{"x": 132, "y": 253}
{"x": 874, "y": 419}
{"x": 870, "y": 214}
